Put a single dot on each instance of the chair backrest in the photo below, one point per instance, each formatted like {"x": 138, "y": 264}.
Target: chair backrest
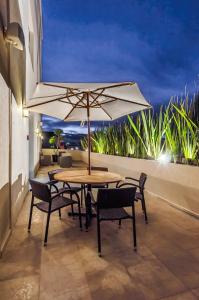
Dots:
{"x": 53, "y": 172}
{"x": 40, "y": 190}
{"x": 115, "y": 197}
{"x": 104, "y": 169}
{"x": 142, "y": 181}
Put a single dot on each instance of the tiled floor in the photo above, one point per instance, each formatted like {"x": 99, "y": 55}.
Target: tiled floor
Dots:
{"x": 166, "y": 265}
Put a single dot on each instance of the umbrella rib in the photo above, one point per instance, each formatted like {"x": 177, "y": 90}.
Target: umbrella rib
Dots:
{"x": 72, "y": 104}
{"x": 43, "y": 103}
{"x": 46, "y": 96}
{"x": 106, "y": 112}
{"x": 95, "y": 99}
{"x": 102, "y": 107}
{"x": 66, "y": 88}
{"x": 79, "y": 98}
{"x": 116, "y": 98}
{"x": 73, "y": 108}
{"x": 115, "y": 85}
{"x": 58, "y": 86}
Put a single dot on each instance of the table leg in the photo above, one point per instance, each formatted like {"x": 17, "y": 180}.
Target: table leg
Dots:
{"x": 88, "y": 207}
{"x": 88, "y": 214}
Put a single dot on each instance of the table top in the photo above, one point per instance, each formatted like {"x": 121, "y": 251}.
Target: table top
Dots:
{"x": 81, "y": 176}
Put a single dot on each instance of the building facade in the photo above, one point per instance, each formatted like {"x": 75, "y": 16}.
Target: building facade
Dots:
{"x": 19, "y": 72}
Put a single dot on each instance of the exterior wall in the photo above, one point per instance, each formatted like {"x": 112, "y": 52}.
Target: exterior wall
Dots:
{"x": 5, "y": 206}
{"x": 19, "y": 73}
{"x": 176, "y": 184}
{"x": 34, "y": 144}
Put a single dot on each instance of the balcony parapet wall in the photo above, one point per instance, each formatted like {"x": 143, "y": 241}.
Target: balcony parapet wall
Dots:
{"x": 177, "y": 184}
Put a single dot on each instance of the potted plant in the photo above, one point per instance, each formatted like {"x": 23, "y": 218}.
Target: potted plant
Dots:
{"x": 55, "y": 141}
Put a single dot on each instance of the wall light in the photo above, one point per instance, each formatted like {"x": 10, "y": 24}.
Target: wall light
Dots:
{"x": 164, "y": 158}
{"x": 25, "y": 113}
{"x": 37, "y": 131}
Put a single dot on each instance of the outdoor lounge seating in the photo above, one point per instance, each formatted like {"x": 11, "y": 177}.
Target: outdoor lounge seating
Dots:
{"x": 140, "y": 184}
{"x": 45, "y": 160}
{"x": 65, "y": 161}
{"x": 49, "y": 203}
{"x": 110, "y": 206}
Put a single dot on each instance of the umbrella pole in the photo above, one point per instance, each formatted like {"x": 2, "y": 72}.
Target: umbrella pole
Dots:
{"x": 89, "y": 136}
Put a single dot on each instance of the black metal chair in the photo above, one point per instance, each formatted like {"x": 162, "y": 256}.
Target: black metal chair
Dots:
{"x": 67, "y": 188}
{"x": 50, "y": 203}
{"x": 110, "y": 206}
{"x": 140, "y": 194}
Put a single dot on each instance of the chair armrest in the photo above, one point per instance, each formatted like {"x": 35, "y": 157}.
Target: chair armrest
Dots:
{"x": 128, "y": 184}
{"x": 67, "y": 184}
{"x": 117, "y": 184}
{"x": 52, "y": 183}
{"x": 66, "y": 191}
{"x": 131, "y": 178}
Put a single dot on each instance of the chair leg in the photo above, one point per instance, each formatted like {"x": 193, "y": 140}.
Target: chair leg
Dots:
{"x": 134, "y": 228}
{"x": 46, "y": 232}
{"x": 144, "y": 210}
{"x": 84, "y": 192}
{"x": 80, "y": 216}
{"x": 98, "y": 237}
{"x": 81, "y": 195}
{"x": 30, "y": 216}
{"x": 72, "y": 210}
{"x": 60, "y": 214}
{"x": 120, "y": 222}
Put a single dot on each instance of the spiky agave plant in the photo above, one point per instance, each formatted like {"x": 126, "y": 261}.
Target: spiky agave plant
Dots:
{"x": 84, "y": 143}
{"x": 172, "y": 144}
{"x": 150, "y": 132}
{"x": 187, "y": 132}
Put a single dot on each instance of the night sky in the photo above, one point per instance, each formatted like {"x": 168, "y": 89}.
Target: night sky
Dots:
{"x": 152, "y": 42}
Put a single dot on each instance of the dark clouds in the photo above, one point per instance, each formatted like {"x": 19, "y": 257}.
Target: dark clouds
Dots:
{"x": 152, "y": 42}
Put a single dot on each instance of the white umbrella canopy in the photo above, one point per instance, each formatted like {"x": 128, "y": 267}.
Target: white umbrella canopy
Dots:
{"x": 87, "y": 101}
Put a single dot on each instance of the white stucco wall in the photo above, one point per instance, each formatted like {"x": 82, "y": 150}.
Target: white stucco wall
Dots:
{"x": 20, "y": 144}
{"x": 19, "y": 133}
{"x": 34, "y": 144}
{"x": 5, "y": 220}
{"x": 4, "y": 132}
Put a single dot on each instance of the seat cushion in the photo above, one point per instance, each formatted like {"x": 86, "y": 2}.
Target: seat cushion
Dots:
{"x": 113, "y": 214}
{"x": 57, "y": 203}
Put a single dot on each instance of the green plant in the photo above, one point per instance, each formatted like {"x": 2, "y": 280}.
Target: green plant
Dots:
{"x": 173, "y": 129}
{"x": 56, "y": 139}
{"x": 187, "y": 132}
{"x": 150, "y": 130}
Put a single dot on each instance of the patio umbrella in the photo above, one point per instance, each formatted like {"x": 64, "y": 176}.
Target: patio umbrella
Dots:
{"x": 87, "y": 102}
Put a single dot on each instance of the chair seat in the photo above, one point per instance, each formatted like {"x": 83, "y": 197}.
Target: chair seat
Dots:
{"x": 76, "y": 188}
{"x": 57, "y": 203}
{"x": 113, "y": 214}
{"x": 98, "y": 186}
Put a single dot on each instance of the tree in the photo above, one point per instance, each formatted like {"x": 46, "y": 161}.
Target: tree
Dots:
{"x": 56, "y": 139}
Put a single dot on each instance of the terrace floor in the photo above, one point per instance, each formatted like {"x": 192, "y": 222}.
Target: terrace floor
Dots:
{"x": 166, "y": 265}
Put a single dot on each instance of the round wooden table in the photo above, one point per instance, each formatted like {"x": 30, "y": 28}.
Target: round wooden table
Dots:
{"x": 82, "y": 177}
